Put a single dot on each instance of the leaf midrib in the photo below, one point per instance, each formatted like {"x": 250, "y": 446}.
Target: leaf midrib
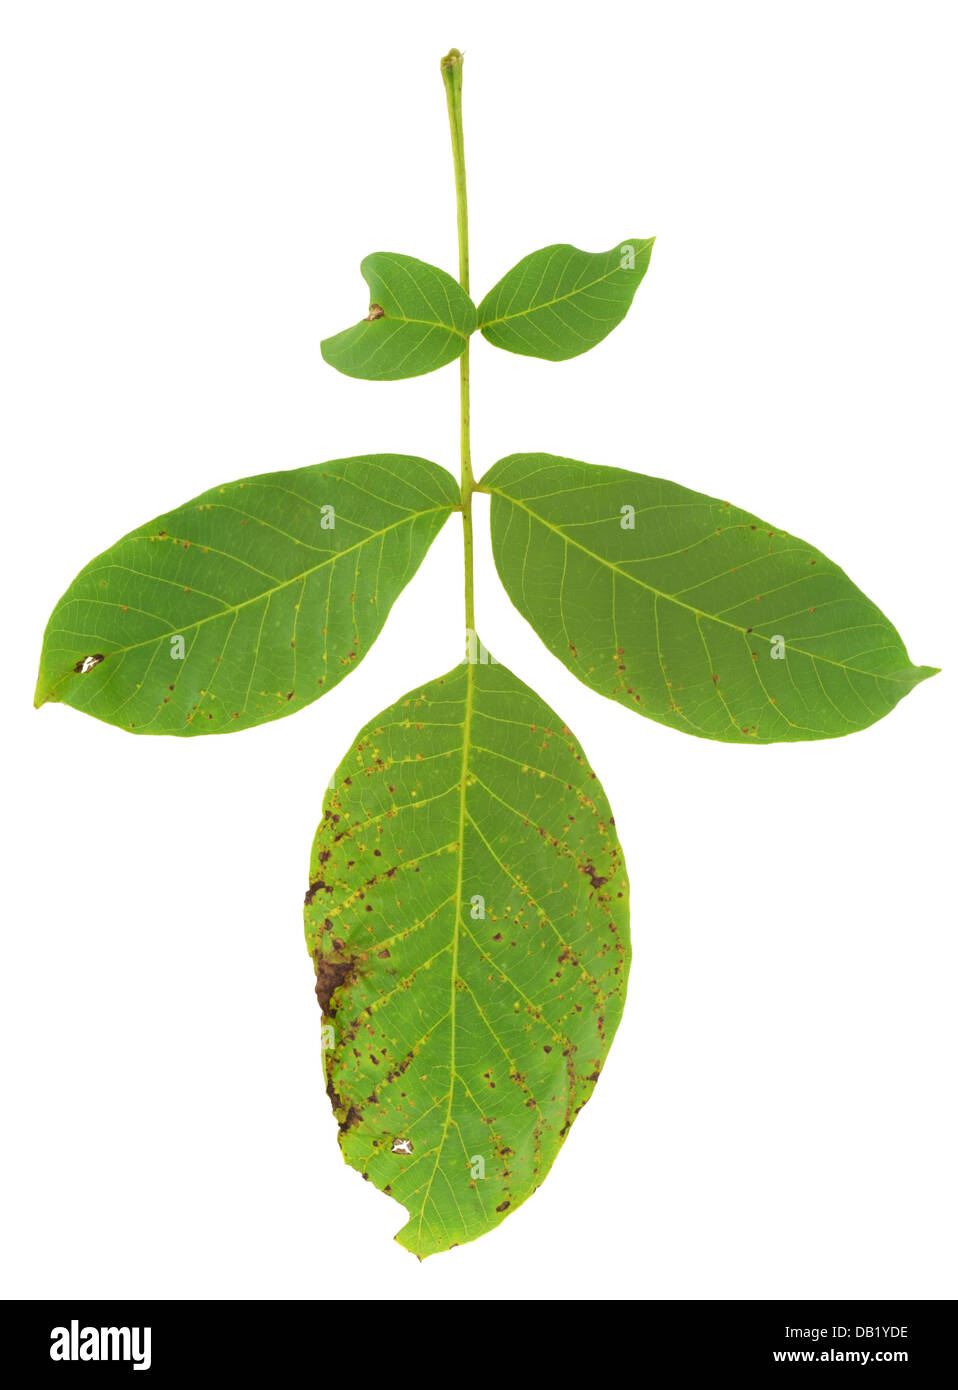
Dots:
{"x": 547, "y": 304}
{"x": 234, "y": 608}
{"x": 401, "y": 318}
{"x": 463, "y": 777}
{"x": 671, "y": 598}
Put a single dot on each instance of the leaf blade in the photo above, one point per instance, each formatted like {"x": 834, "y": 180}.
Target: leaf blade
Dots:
{"x": 559, "y": 301}
{"x": 676, "y": 618}
{"x": 468, "y": 1037}
{"x": 276, "y": 586}
{"x": 420, "y": 319}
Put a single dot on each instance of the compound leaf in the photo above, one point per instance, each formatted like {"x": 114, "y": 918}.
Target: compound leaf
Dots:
{"x": 419, "y": 319}
{"x": 558, "y": 302}
{"x": 247, "y": 602}
{"x": 689, "y": 610}
{"x": 467, "y": 914}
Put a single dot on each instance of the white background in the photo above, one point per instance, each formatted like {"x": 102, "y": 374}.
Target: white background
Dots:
{"x": 189, "y": 189}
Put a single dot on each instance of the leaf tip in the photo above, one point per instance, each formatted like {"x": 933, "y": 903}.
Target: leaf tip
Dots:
{"x": 411, "y": 1241}
{"x": 42, "y": 695}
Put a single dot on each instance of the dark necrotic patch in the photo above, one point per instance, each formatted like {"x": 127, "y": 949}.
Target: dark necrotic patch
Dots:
{"x": 330, "y": 974}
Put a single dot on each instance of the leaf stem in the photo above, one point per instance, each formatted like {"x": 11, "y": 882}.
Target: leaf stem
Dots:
{"x": 451, "y": 67}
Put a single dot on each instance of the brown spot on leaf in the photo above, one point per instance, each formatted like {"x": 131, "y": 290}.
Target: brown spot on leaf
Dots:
{"x": 330, "y": 974}
{"x": 314, "y": 888}
{"x": 595, "y": 879}
{"x": 351, "y": 1117}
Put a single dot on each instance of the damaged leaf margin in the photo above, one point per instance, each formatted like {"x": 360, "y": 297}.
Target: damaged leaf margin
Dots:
{"x": 419, "y": 319}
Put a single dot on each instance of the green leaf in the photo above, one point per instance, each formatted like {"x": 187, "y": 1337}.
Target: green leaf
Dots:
{"x": 468, "y": 917}
{"x": 560, "y": 301}
{"x": 419, "y": 319}
{"x": 702, "y": 617}
{"x": 247, "y": 602}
